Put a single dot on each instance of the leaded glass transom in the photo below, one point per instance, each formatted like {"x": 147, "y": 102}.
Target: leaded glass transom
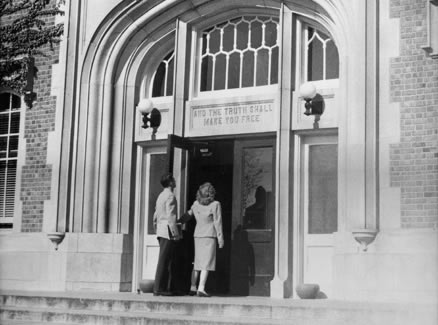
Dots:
{"x": 162, "y": 84}
{"x": 241, "y": 52}
{"x": 322, "y": 56}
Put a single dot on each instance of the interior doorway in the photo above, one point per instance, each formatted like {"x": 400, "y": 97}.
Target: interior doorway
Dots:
{"x": 242, "y": 172}
{"x": 212, "y": 161}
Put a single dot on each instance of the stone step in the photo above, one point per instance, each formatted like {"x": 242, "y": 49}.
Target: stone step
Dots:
{"x": 15, "y": 315}
{"x": 27, "y": 322}
{"x": 129, "y": 308}
{"x": 147, "y": 303}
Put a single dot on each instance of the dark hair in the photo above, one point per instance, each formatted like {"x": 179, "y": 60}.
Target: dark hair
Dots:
{"x": 205, "y": 194}
{"x": 166, "y": 179}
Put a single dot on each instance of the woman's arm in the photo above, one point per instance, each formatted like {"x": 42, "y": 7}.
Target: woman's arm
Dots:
{"x": 218, "y": 225}
{"x": 186, "y": 217}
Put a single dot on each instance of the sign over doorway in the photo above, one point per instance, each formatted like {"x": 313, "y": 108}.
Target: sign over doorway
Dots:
{"x": 231, "y": 115}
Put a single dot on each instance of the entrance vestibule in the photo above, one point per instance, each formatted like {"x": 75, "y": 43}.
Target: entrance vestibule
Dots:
{"x": 212, "y": 161}
{"x": 225, "y": 124}
{"x": 242, "y": 172}
{"x": 210, "y": 58}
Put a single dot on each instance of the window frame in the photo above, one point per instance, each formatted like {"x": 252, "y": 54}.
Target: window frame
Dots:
{"x": 196, "y": 49}
{"x": 151, "y": 80}
{"x": 157, "y": 53}
{"x": 301, "y": 60}
{"x": 301, "y": 76}
{"x": 16, "y": 218}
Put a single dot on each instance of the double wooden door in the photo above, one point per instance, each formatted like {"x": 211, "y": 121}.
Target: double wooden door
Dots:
{"x": 242, "y": 172}
{"x": 252, "y": 259}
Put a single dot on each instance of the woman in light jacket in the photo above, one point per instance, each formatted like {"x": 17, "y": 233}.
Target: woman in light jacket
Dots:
{"x": 208, "y": 217}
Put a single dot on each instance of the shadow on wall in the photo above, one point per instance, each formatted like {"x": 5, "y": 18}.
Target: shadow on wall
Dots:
{"x": 243, "y": 263}
{"x": 126, "y": 264}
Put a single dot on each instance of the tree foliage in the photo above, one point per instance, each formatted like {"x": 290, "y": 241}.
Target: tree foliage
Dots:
{"x": 23, "y": 34}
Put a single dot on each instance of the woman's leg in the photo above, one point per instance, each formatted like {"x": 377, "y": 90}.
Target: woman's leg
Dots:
{"x": 203, "y": 280}
{"x": 195, "y": 276}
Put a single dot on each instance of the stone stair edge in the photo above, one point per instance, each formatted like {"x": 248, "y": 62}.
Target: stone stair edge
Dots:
{"x": 105, "y": 312}
{"x": 176, "y": 312}
{"x": 209, "y": 316}
{"x": 128, "y": 297}
{"x": 175, "y": 301}
{"x": 204, "y": 319}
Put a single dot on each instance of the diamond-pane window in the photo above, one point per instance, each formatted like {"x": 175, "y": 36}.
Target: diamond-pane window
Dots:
{"x": 10, "y": 115}
{"x": 241, "y": 52}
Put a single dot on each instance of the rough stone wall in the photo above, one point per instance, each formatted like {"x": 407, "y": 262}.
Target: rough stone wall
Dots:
{"x": 414, "y": 84}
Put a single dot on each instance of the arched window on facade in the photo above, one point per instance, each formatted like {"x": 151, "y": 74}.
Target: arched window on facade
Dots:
{"x": 321, "y": 54}
{"x": 10, "y": 114}
{"x": 162, "y": 81}
{"x": 241, "y": 52}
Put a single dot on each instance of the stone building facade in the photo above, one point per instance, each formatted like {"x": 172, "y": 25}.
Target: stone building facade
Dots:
{"x": 351, "y": 196}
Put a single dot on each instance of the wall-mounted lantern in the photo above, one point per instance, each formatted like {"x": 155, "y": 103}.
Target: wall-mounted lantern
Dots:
{"x": 151, "y": 115}
{"x": 308, "y": 92}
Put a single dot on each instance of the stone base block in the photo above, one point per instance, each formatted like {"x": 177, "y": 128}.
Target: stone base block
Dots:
{"x": 98, "y": 262}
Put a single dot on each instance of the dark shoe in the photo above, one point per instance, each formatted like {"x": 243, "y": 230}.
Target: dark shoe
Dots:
{"x": 163, "y": 293}
{"x": 202, "y": 294}
{"x": 179, "y": 293}
{"x": 192, "y": 293}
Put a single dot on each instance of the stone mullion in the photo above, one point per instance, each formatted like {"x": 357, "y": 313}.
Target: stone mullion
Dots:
{"x": 371, "y": 118}
{"x": 281, "y": 284}
{"x": 180, "y": 93}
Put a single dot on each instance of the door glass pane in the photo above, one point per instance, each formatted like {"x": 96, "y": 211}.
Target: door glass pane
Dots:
{"x": 257, "y": 189}
{"x": 157, "y": 168}
{"x": 323, "y": 189}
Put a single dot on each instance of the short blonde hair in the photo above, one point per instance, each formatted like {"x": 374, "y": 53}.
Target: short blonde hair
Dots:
{"x": 205, "y": 194}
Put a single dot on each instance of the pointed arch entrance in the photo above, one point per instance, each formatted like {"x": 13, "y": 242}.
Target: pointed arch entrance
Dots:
{"x": 108, "y": 139}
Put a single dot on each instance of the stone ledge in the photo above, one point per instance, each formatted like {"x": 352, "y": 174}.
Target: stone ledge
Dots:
{"x": 104, "y": 308}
